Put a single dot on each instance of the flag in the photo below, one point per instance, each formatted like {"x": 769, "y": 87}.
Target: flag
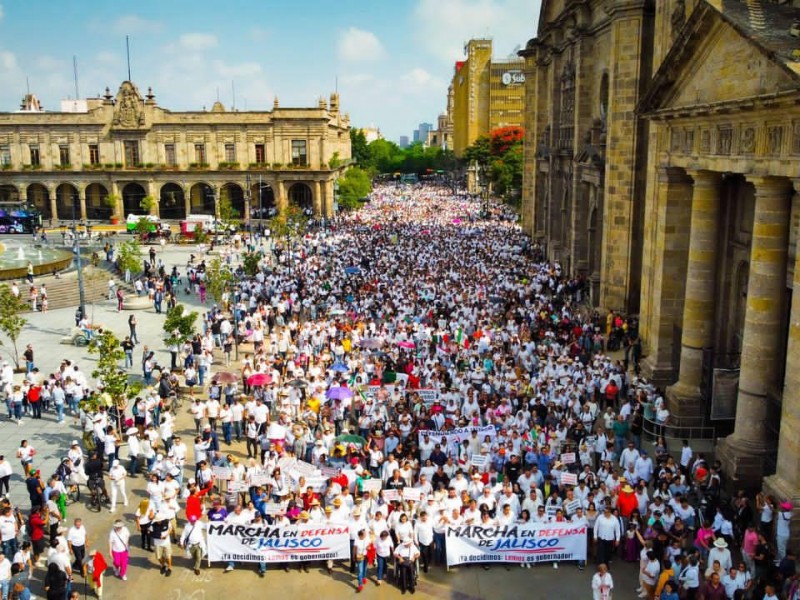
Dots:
{"x": 99, "y": 565}
{"x": 459, "y": 336}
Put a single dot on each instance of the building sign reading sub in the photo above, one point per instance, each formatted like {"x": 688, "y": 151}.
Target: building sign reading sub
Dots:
{"x": 513, "y": 77}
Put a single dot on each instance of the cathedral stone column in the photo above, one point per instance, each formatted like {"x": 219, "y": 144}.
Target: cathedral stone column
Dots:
{"x": 785, "y": 484}
{"x": 317, "y": 200}
{"x": 280, "y": 195}
{"x": 699, "y": 302}
{"x": 742, "y": 453}
{"x": 673, "y": 210}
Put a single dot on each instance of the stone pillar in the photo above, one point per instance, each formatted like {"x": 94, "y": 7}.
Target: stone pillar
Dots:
{"x": 743, "y": 452}
{"x": 317, "y": 200}
{"x": 672, "y": 211}
{"x": 699, "y": 303}
{"x": 785, "y": 484}
{"x": 327, "y": 206}
{"x": 82, "y": 199}
{"x": 280, "y": 195}
{"x": 152, "y": 191}
{"x": 187, "y": 198}
{"x": 52, "y": 198}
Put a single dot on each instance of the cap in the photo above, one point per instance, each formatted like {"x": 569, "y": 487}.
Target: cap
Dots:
{"x": 73, "y": 443}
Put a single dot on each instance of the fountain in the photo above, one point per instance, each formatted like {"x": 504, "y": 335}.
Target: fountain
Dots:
{"x": 14, "y": 262}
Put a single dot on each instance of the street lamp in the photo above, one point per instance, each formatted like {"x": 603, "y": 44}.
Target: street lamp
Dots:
{"x": 78, "y": 261}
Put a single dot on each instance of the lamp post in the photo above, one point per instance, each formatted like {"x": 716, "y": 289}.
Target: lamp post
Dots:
{"x": 78, "y": 260}
{"x": 249, "y": 206}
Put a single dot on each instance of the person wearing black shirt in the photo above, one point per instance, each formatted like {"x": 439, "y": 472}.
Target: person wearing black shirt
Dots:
{"x": 127, "y": 347}
{"x": 440, "y": 480}
{"x": 438, "y": 457}
{"x": 94, "y": 473}
{"x": 513, "y": 468}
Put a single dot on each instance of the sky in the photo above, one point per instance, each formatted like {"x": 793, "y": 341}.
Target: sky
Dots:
{"x": 392, "y": 59}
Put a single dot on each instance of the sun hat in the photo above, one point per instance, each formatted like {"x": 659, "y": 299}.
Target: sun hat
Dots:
{"x": 720, "y": 543}
{"x": 786, "y": 506}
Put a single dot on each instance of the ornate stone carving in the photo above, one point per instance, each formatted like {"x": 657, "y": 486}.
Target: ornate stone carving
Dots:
{"x": 128, "y": 112}
{"x": 705, "y": 141}
{"x": 796, "y": 137}
{"x": 748, "y": 140}
{"x": 774, "y": 139}
{"x": 724, "y": 139}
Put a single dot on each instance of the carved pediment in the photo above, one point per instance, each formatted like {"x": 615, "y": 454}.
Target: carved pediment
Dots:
{"x": 128, "y": 108}
{"x": 714, "y": 63}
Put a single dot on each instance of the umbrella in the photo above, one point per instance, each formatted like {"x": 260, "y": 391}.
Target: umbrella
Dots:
{"x": 351, "y": 438}
{"x": 259, "y": 379}
{"x": 340, "y": 367}
{"x": 371, "y": 343}
{"x": 339, "y": 393}
{"x": 497, "y": 299}
{"x": 336, "y": 311}
{"x": 226, "y": 377}
{"x": 352, "y": 270}
{"x": 407, "y": 345}
{"x": 456, "y": 221}
{"x": 380, "y": 355}
{"x": 298, "y": 383}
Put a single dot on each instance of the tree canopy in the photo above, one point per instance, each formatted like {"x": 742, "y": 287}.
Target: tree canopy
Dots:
{"x": 356, "y": 183}
{"x": 384, "y": 156}
{"x": 500, "y": 155}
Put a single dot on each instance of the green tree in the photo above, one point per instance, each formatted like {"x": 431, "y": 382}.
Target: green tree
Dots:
{"x": 355, "y": 184}
{"x": 147, "y": 204}
{"x": 129, "y": 256}
{"x": 479, "y": 151}
{"x": 385, "y": 156}
{"x": 228, "y": 215}
{"x": 218, "y": 278}
{"x": 179, "y": 325}
{"x": 359, "y": 149}
{"x": 117, "y": 387}
{"x": 288, "y": 221}
{"x": 250, "y": 262}
{"x": 11, "y": 320}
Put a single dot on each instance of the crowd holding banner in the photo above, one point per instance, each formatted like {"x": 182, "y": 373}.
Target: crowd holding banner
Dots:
{"x": 530, "y": 543}
{"x": 277, "y": 544}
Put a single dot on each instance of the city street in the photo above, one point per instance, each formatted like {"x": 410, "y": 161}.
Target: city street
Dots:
{"x": 51, "y": 440}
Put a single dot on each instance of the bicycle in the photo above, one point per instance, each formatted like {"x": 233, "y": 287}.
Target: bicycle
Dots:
{"x": 98, "y": 496}
{"x": 73, "y": 489}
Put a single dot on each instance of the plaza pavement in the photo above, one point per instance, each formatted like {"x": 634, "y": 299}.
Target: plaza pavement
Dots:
{"x": 51, "y": 440}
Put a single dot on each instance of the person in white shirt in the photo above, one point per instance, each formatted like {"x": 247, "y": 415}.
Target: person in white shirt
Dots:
{"x": 602, "y": 583}
{"x": 360, "y": 545}
{"x": 407, "y": 554}
{"x": 76, "y": 539}
{"x": 423, "y": 536}
{"x": 607, "y": 534}
{"x": 193, "y": 541}
{"x": 721, "y": 553}
{"x": 118, "y": 544}
{"x": 117, "y": 475}
{"x": 629, "y": 456}
{"x": 383, "y": 550}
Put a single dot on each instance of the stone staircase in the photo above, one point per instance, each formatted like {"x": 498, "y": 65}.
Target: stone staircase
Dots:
{"x": 63, "y": 292}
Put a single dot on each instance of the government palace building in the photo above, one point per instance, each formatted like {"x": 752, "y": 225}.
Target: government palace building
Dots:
{"x": 127, "y": 147}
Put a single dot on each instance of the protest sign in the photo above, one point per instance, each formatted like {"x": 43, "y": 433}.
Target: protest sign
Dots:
{"x": 305, "y": 469}
{"x": 479, "y": 460}
{"x": 568, "y": 458}
{"x": 221, "y": 473}
{"x": 414, "y": 494}
{"x": 243, "y": 543}
{"x": 371, "y": 485}
{"x": 569, "y": 479}
{"x": 452, "y": 438}
{"x": 391, "y": 495}
{"x": 530, "y": 543}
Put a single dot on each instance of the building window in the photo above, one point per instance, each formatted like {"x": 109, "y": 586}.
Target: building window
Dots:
{"x": 261, "y": 154}
{"x": 63, "y": 155}
{"x": 200, "y": 154}
{"x": 132, "y": 153}
{"x": 35, "y": 155}
{"x": 169, "y": 155}
{"x": 94, "y": 154}
{"x": 230, "y": 153}
{"x": 299, "y": 156}
{"x": 5, "y": 155}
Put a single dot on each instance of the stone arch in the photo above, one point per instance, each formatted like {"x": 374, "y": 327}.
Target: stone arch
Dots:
{"x": 38, "y": 195}
{"x": 202, "y": 199}
{"x": 67, "y": 201}
{"x": 9, "y": 193}
{"x": 132, "y": 194}
{"x": 235, "y": 194}
{"x": 96, "y": 207}
{"x": 300, "y": 195}
{"x": 172, "y": 201}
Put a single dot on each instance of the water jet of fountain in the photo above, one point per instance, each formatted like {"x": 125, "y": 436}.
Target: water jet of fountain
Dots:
{"x": 20, "y": 253}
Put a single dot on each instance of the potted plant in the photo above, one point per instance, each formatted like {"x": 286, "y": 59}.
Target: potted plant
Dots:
{"x": 112, "y": 202}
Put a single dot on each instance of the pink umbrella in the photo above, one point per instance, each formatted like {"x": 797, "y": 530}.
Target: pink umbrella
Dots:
{"x": 259, "y": 379}
{"x": 407, "y": 345}
{"x": 456, "y": 221}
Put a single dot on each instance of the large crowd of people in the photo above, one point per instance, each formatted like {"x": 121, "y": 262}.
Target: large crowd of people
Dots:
{"x": 362, "y": 342}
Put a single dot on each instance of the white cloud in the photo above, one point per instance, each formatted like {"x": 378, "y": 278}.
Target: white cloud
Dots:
{"x": 444, "y": 26}
{"x": 197, "y": 41}
{"x": 418, "y": 79}
{"x": 8, "y": 60}
{"x": 258, "y": 34}
{"x": 136, "y": 25}
{"x": 246, "y": 69}
{"x": 356, "y": 44}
